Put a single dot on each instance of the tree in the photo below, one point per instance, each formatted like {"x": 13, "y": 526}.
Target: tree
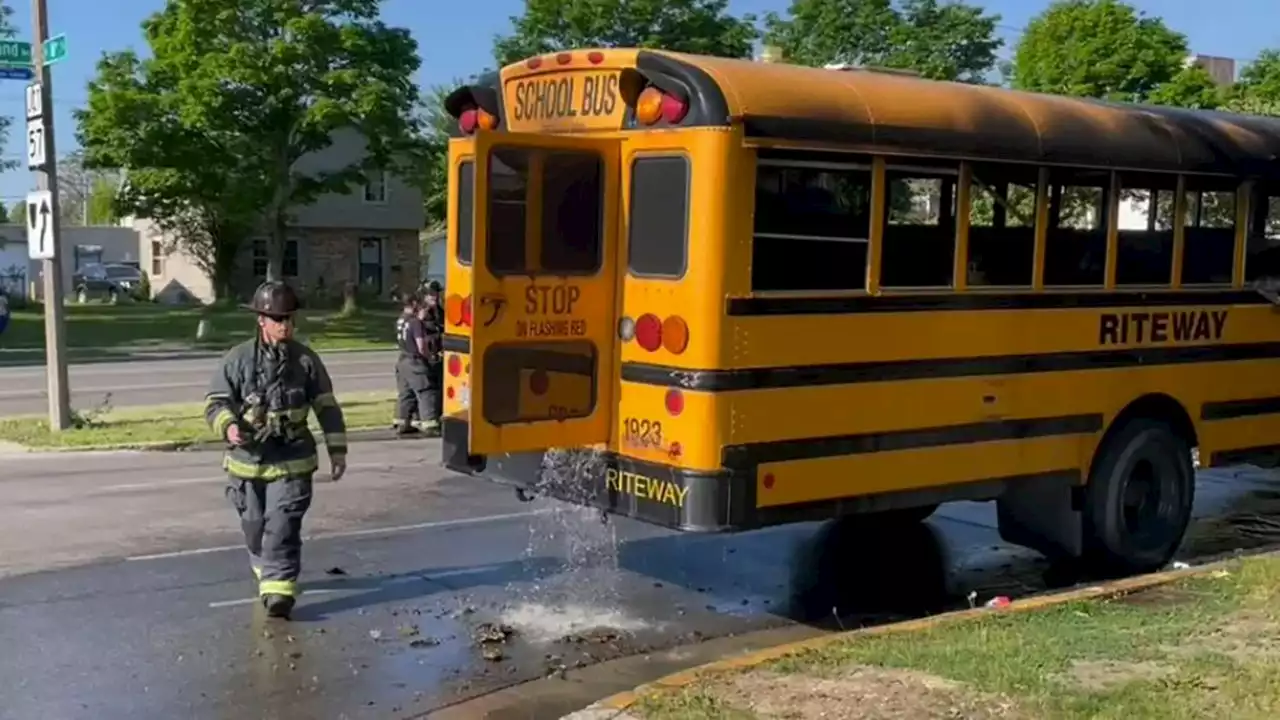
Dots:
{"x": 1259, "y": 84}
{"x": 704, "y": 27}
{"x": 252, "y": 87}
{"x": 1100, "y": 49}
{"x": 939, "y": 40}
{"x": 77, "y": 186}
{"x": 4, "y": 214}
{"x": 18, "y": 213}
{"x": 436, "y": 123}
{"x": 1193, "y": 87}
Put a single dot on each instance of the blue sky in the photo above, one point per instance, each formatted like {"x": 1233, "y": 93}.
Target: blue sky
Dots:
{"x": 455, "y": 39}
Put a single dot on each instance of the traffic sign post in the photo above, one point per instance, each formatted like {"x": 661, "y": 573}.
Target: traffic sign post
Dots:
{"x": 43, "y": 228}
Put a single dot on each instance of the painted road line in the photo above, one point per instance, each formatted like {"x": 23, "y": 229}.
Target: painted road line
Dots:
{"x": 216, "y": 478}
{"x": 250, "y": 601}
{"x": 21, "y": 394}
{"x": 458, "y": 522}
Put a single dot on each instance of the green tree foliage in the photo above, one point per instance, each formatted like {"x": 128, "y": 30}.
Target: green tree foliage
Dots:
{"x": 1257, "y": 91}
{"x": 436, "y": 125}
{"x": 18, "y": 213}
{"x": 237, "y": 92}
{"x": 1098, "y": 48}
{"x": 4, "y": 214}
{"x": 1193, "y": 87}
{"x": 939, "y": 40}
{"x": 703, "y": 27}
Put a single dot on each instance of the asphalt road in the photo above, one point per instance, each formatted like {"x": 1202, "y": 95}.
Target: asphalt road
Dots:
{"x": 124, "y": 592}
{"x": 163, "y": 382}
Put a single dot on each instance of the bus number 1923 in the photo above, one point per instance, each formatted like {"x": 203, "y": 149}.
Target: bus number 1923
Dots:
{"x": 642, "y": 433}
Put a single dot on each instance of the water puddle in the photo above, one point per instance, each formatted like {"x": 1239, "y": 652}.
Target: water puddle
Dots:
{"x": 581, "y": 591}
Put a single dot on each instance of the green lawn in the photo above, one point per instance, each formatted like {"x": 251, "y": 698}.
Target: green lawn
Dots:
{"x": 1205, "y": 647}
{"x": 132, "y": 327}
{"x": 169, "y": 424}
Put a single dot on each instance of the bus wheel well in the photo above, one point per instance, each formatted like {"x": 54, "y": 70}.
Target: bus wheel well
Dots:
{"x": 1155, "y": 406}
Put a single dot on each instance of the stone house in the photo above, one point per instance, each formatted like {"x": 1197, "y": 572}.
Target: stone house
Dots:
{"x": 369, "y": 237}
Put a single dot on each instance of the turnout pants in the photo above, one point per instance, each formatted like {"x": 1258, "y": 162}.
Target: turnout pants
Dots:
{"x": 271, "y": 514}
{"x": 419, "y": 392}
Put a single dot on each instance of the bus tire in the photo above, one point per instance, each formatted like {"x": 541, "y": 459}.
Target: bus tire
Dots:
{"x": 1138, "y": 500}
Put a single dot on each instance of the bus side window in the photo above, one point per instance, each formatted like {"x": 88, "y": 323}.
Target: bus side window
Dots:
{"x": 812, "y": 224}
{"x": 1002, "y": 226}
{"x": 1262, "y": 259}
{"x": 919, "y": 245}
{"x": 1076, "y": 242}
{"x": 658, "y": 242}
{"x": 1144, "y": 251}
{"x": 1208, "y": 251}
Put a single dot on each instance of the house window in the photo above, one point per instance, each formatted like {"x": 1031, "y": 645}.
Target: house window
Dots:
{"x": 375, "y": 191}
{"x": 157, "y": 258}
{"x": 289, "y": 267}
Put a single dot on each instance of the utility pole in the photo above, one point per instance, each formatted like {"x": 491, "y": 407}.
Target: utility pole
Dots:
{"x": 42, "y": 217}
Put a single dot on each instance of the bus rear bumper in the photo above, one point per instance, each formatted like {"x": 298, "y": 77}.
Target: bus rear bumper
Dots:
{"x": 688, "y": 500}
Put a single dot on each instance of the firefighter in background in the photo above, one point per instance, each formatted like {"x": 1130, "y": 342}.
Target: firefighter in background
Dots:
{"x": 259, "y": 401}
{"x": 413, "y": 369}
{"x": 407, "y": 398}
{"x": 432, "y": 315}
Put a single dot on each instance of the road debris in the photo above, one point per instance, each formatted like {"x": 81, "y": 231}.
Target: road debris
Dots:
{"x": 490, "y": 637}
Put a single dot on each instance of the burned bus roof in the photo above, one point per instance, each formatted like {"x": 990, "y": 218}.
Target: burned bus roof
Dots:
{"x": 889, "y": 111}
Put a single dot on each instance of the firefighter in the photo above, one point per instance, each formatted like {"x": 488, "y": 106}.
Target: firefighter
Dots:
{"x": 407, "y": 399}
{"x": 432, "y": 315}
{"x": 259, "y": 400}
{"x": 413, "y": 368}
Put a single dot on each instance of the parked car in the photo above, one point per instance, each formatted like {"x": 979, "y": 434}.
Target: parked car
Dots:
{"x": 112, "y": 281}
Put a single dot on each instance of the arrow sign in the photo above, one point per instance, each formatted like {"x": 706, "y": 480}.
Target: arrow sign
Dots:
{"x": 41, "y": 243}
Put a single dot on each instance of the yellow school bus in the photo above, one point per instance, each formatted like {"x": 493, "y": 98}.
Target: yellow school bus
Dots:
{"x": 759, "y": 293}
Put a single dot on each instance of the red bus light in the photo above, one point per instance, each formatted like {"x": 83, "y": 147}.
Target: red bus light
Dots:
{"x": 455, "y": 365}
{"x": 649, "y": 332}
{"x": 539, "y": 382}
{"x": 466, "y": 311}
{"x": 468, "y": 120}
{"x": 673, "y": 109}
{"x": 674, "y": 402}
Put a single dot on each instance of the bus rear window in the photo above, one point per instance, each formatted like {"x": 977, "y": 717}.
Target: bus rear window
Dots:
{"x": 569, "y": 240}
{"x": 658, "y": 241}
{"x": 466, "y": 203}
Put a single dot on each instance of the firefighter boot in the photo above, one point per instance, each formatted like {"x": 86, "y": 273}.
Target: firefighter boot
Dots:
{"x": 278, "y": 606}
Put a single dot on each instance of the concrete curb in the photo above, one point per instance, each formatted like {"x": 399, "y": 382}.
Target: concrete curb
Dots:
{"x": 360, "y": 434}
{"x": 614, "y": 707}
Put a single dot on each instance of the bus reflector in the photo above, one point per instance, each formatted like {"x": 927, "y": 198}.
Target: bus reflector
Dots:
{"x": 649, "y": 332}
{"x": 675, "y": 335}
{"x": 539, "y": 382}
{"x": 649, "y": 106}
{"x": 455, "y": 365}
{"x": 768, "y": 481}
{"x": 675, "y": 402}
{"x": 448, "y": 392}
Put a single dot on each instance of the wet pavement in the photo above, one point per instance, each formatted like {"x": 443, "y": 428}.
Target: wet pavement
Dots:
{"x": 479, "y": 596}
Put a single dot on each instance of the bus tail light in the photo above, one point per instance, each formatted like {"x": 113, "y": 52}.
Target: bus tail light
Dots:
{"x": 653, "y": 105}
{"x": 455, "y": 365}
{"x": 649, "y": 332}
{"x": 675, "y": 334}
{"x": 453, "y": 309}
{"x": 466, "y": 311}
{"x": 674, "y": 402}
